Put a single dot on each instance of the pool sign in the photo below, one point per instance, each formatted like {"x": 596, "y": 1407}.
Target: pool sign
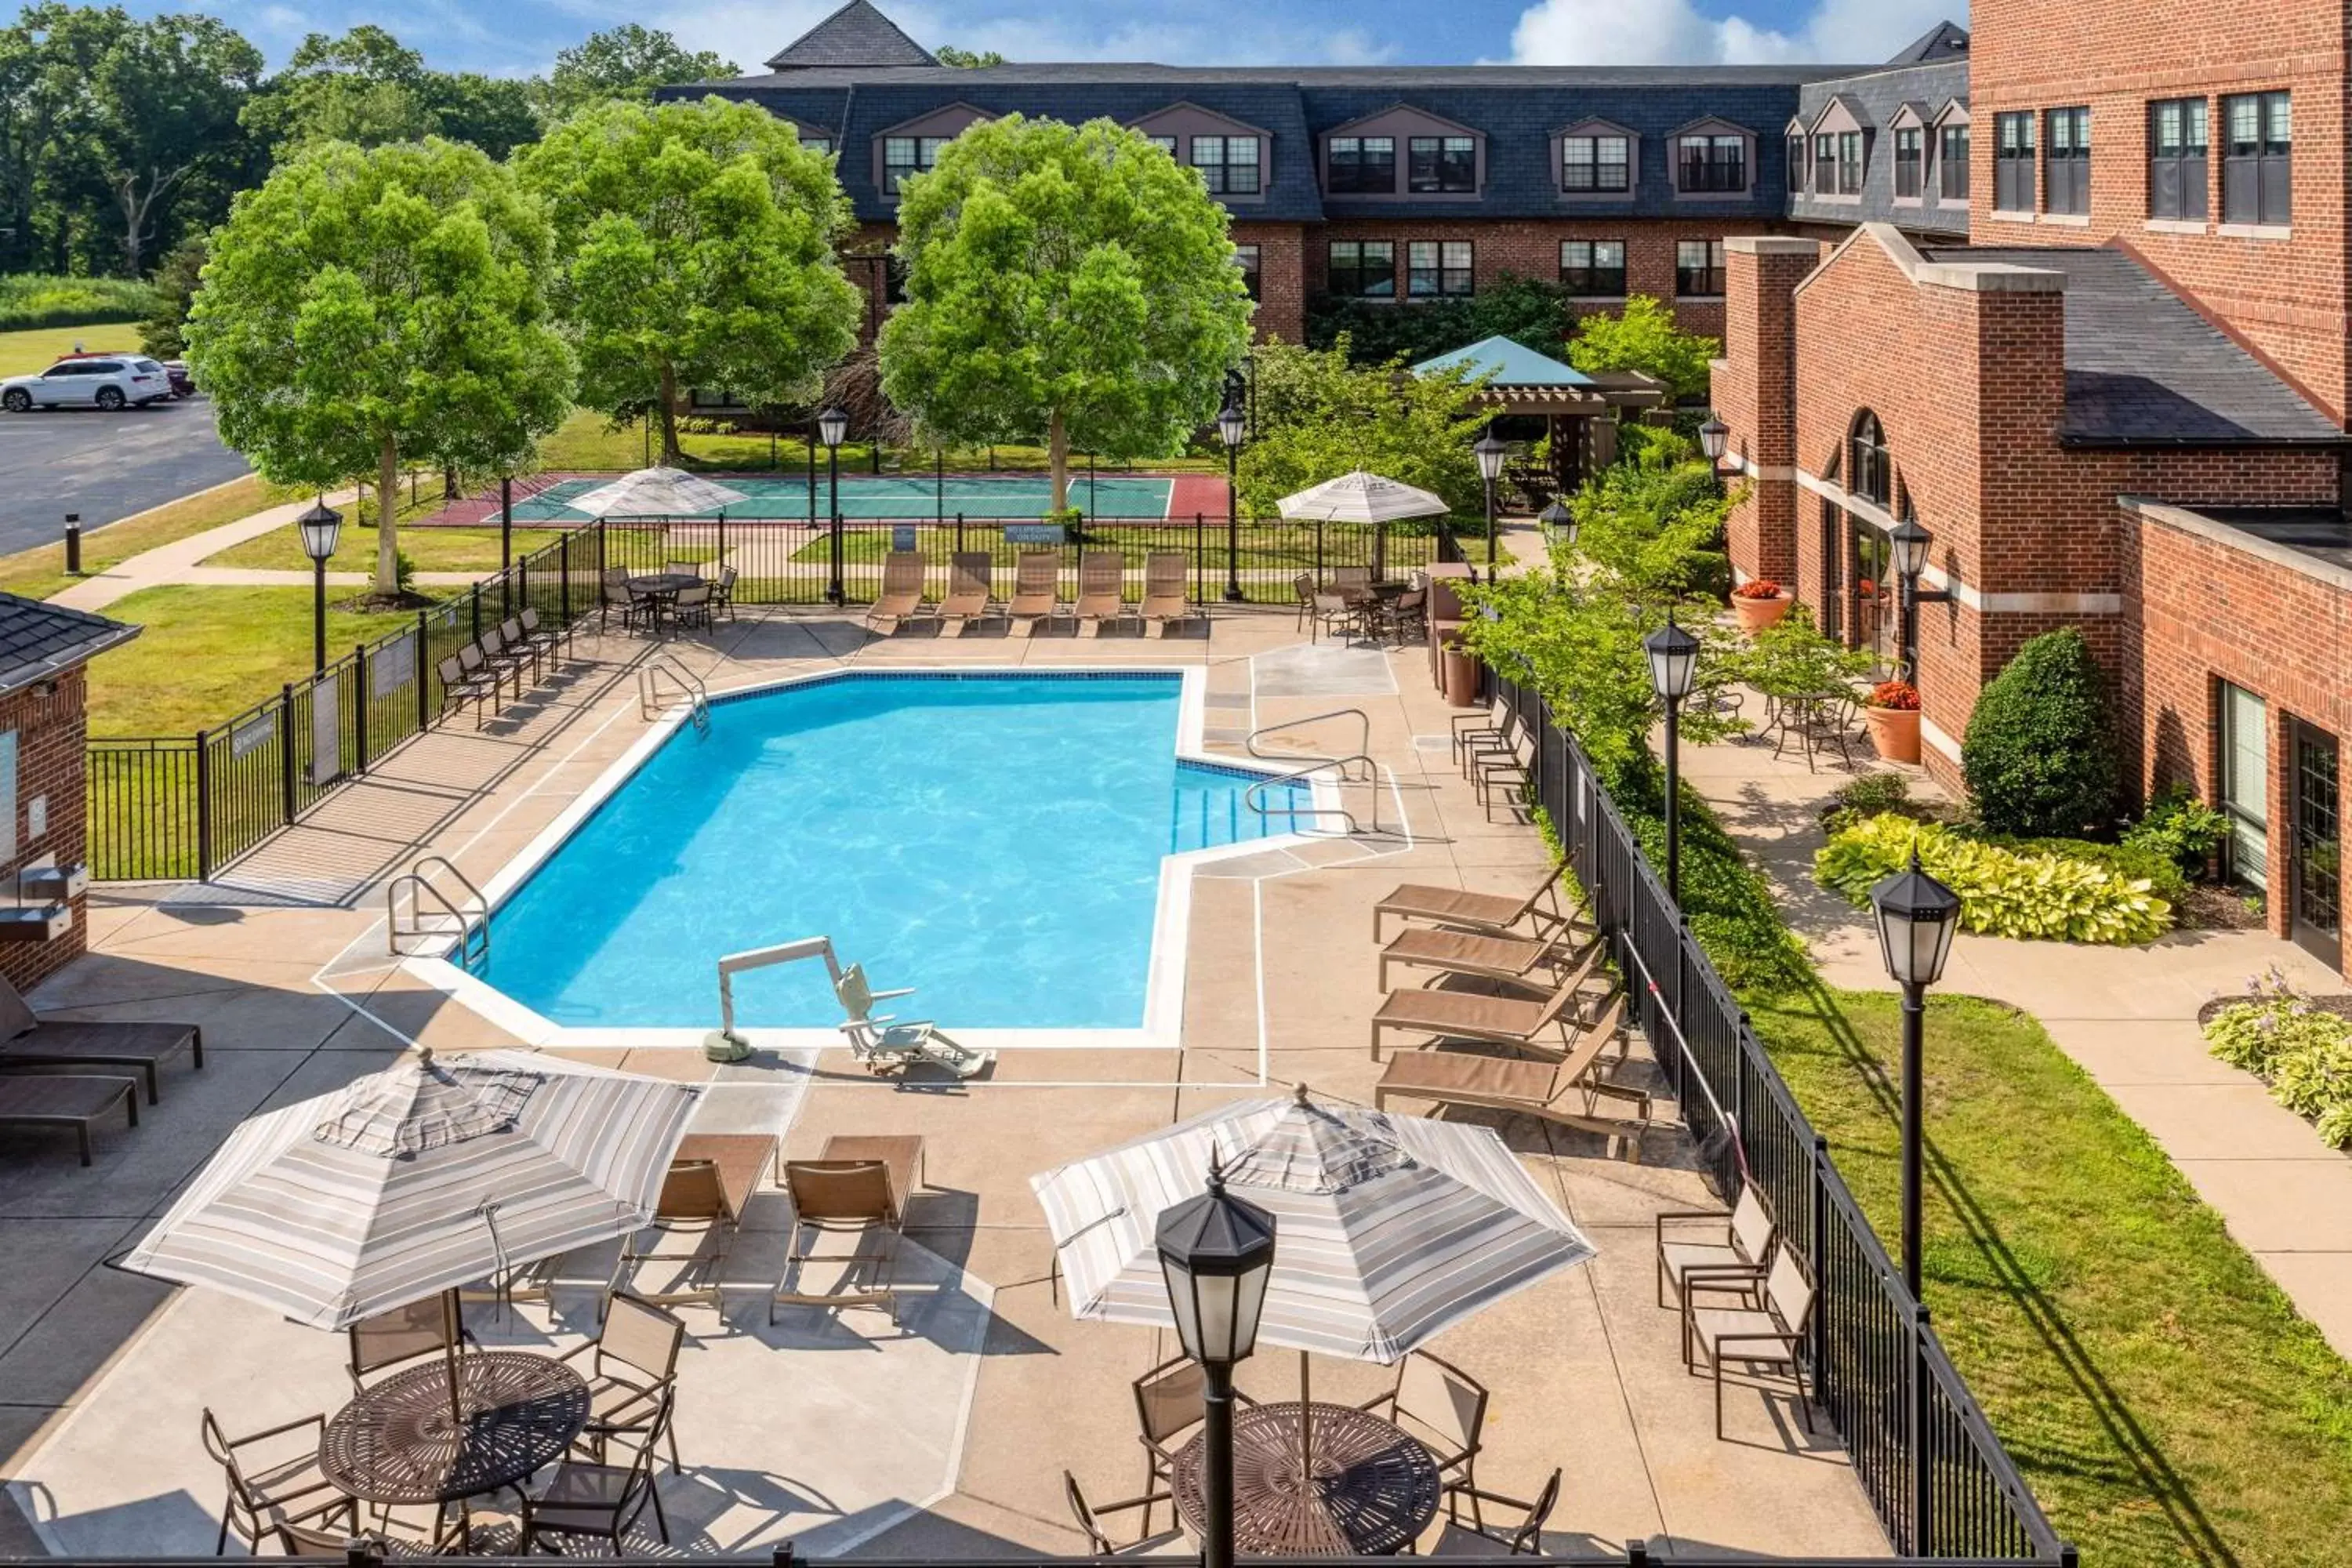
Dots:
{"x": 902, "y": 536}
{"x": 1033, "y": 533}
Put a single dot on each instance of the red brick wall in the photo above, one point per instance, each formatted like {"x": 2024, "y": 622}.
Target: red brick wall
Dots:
{"x": 1281, "y": 277}
{"x": 2286, "y": 297}
{"x": 49, "y": 737}
{"x": 1751, "y": 394}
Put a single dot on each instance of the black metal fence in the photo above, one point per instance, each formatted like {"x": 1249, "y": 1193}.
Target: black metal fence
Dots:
{"x": 1940, "y": 1480}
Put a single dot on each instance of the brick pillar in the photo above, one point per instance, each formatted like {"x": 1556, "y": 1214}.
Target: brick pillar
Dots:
{"x": 1755, "y": 393}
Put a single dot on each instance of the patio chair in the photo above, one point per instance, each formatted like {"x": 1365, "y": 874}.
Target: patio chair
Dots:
{"x": 1440, "y": 1407}
{"x": 514, "y": 640}
{"x": 544, "y": 637}
{"x": 1522, "y": 1022}
{"x": 1166, "y": 576}
{"x": 1036, "y": 590}
{"x": 273, "y": 1476}
{"x": 1354, "y": 582}
{"x": 882, "y": 1043}
{"x": 1537, "y": 964}
{"x": 303, "y": 1541}
{"x": 1303, "y": 585}
{"x": 1496, "y": 914}
{"x": 1762, "y": 1327}
{"x": 76, "y": 1101}
{"x": 1168, "y": 1410}
{"x": 971, "y": 591}
{"x": 613, "y": 597}
{"x": 1739, "y": 1244}
{"x": 402, "y": 1335}
{"x": 1335, "y": 612}
{"x": 842, "y": 1197}
{"x": 1485, "y": 724}
{"x": 691, "y": 606}
{"x": 477, "y": 665}
{"x": 28, "y": 1041}
{"x": 687, "y": 568}
{"x": 692, "y": 1207}
{"x": 901, "y": 598}
{"x": 632, "y": 1371}
{"x": 1102, "y": 589}
{"x": 1090, "y": 1517}
{"x": 593, "y": 1500}
{"x": 722, "y": 593}
{"x": 503, "y": 658}
{"x": 1566, "y": 1093}
{"x": 1406, "y": 616}
{"x": 1524, "y": 1539}
{"x": 459, "y": 686}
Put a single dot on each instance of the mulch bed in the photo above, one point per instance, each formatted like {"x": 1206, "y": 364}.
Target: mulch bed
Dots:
{"x": 2211, "y": 907}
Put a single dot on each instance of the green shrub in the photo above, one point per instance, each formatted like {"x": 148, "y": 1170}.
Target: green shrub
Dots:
{"x": 1730, "y": 908}
{"x": 2132, "y": 862}
{"x": 30, "y": 299}
{"x": 2040, "y": 757}
{"x": 2305, "y": 1053}
{"x": 1872, "y": 794}
{"x": 2003, "y": 893}
{"x": 2180, "y": 827}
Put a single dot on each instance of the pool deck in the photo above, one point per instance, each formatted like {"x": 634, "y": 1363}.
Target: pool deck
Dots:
{"x": 951, "y": 1441}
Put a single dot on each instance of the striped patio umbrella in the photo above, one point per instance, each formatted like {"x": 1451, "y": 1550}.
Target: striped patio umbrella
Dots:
{"x": 419, "y": 1179}
{"x": 1388, "y": 1229}
{"x": 657, "y": 492}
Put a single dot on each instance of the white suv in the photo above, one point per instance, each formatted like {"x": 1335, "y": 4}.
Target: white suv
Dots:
{"x": 99, "y": 381}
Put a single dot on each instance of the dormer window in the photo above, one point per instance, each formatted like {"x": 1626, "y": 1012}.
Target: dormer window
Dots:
{"x": 1165, "y": 144}
{"x": 1229, "y": 163}
{"x": 1712, "y": 163}
{"x": 1796, "y": 162}
{"x": 1442, "y": 164}
{"x": 1601, "y": 162}
{"x": 818, "y": 145}
{"x": 906, "y": 155}
{"x": 1362, "y": 166}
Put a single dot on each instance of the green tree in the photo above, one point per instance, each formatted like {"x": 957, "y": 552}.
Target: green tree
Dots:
{"x": 2040, "y": 757}
{"x": 366, "y": 87}
{"x": 695, "y": 249}
{"x": 163, "y": 334}
{"x": 496, "y": 114}
{"x": 1319, "y": 417}
{"x": 1530, "y": 310}
{"x": 1643, "y": 337}
{"x": 628, "y": 61}
{"x": 367, "y": 305}
{"x": 163, "y": 101}
{"x": 1063, "y": 284}
{"x": 966, "y": 59}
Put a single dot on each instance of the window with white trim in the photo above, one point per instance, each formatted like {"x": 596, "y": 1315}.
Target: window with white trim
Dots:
{"x": 2256, "y": 182}
{"x": 1600, "y": 162}
{"x": 906, "y": 155}
{"x": 1594, "y": 268}
{"x": 1438, "y": 269}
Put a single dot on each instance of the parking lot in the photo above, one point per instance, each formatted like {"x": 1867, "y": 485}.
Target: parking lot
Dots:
{"x": 104, "y": 466}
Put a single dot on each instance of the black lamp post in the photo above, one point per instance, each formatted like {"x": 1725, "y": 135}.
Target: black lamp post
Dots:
{"x": 1491, "y": 453}
{"x": 506, "y": 523}
{"x": 1556, "y": 520}
{"x": 1713, "y": 438}
{"x": 1216, "y": 1252}
{"x": 1907, "y": 543}
{"x": 831, "y": 427}
{"x": 320, "y": 527}
{"x": 1232, "y": 423}
{"x": 1674, "y": 664}
{"x": 1916, "y": 917}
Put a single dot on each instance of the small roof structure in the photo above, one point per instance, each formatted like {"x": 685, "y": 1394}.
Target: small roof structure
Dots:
{"x": 1520, "y": 380}
{"x": 41, "y": 641}
{"x": 1506, "y": 362}
{"x": 857, "y": 34}
{"x": 1360, "y": 498}
{"x": 657, "y": 492}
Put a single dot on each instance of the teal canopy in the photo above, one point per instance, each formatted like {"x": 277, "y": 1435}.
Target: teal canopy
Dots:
{"x": 1506, "y": 363}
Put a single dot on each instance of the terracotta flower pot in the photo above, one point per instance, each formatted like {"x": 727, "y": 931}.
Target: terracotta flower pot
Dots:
{"x": 1755, "y": 615}
{"x": 1893, "y": 732}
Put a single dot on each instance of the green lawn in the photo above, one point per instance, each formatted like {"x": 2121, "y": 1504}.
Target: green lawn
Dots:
{"x": 2162, "y": 1397}
{"x": 37, "y": 348}
{"x": 207, "y": 654}
{"x": 40, "y": 572}
{"x": 433, "y": 549}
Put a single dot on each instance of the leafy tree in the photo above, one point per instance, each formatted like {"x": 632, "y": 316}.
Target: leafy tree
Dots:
{"x": 162, "y": 101}
{"x": 2040, "y": 757}
{"x": 1063, "y": 283}
{"x": 365, "y": 307}
{"x": 695, "y": 249}
{"x": 163, "y": 334}
{"x": 369, "y": 89}
{"x": 628, "y": 61}
{"x": 1319, "y": 417}
{"x": 967, "y": 59}
{"x": 496, "y": 114}
{"x": 1530, "y": 310}
{"x": 1643, "y": 337}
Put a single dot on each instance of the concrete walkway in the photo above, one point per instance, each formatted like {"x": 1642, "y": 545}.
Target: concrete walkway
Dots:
{"x": 2127, "y": 1015}
{"x": 171, "y": 564}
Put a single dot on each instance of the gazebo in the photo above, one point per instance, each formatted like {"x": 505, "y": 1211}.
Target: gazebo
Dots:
{"x": 1578, "y": 409}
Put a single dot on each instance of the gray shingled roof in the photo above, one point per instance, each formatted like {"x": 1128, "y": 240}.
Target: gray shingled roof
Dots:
{"x": 39, "y": 641}
{"x": 1944, "y": 41}
{"x": 2143, "y": 369}
{"x": 1140, "y": 73}
{"x": 857, "y": 34}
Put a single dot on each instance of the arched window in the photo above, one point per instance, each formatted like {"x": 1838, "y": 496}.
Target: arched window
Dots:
{"x": 1869, "y": 475}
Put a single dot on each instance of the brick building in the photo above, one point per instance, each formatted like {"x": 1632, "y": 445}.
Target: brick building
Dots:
{"x": 2086, "y": 325}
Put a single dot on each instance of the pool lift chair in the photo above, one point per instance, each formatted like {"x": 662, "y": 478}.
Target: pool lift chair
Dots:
{"x": 883, "y": 1043}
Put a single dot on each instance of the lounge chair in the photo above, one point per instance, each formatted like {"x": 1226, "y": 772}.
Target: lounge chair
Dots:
{"x": 837, "y": 1196}
{"x": 1036, "y": 590}
{"x": 1737, "y": 1248}
{"x": 1569, "y": 1092}
{"x": 883, "y": 1044}
{"x": 1497, "y": 914}
{"x": 901, "y": 598}
{"x": 76, "y": 1102}
{"x": 29, "y": 1040}
{"x": 1165, "y": 579}
{"x": 1102, "y": 589}
{"x": 1504, "y": 1020}
{"x": 1536, "y": 963}
{"x": 970, "y": 591}
{"x": 692, "y": 1206}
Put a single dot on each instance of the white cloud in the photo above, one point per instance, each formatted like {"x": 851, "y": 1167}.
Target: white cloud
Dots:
{"x": 1674, "y": 32}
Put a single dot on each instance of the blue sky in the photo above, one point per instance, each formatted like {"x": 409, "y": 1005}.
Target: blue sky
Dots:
{"x": 516, "y": 36}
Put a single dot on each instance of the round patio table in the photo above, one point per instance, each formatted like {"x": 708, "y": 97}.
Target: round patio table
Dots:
{"x": 661, "y": 587}
{"x": 400, "y": 1442}
{"x": 1373, "y": 1492}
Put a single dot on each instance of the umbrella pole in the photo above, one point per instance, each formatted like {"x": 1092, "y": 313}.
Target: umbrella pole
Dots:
{"x": 1305, "y": 1425}
{"x": 453, "y": 1328}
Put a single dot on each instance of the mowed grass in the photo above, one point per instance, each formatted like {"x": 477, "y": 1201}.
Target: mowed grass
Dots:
{"x": 2160, "y": 1395}
{"x": 37, "y": 348}
{"x": 209, "y": 652}
{"x": 432, "y": 549}
{"x": 40, "y": 572}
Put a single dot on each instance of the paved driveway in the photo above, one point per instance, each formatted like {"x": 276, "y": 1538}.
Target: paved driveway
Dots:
{"x": 104, "y": 466}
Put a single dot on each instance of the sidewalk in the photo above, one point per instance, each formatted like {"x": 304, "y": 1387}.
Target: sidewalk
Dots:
{"x": 168, "y": 565}
{"x": 2127, "y": 1015}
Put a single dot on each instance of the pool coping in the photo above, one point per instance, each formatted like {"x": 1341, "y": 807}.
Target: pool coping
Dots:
{"x": 1163, "y": 1008}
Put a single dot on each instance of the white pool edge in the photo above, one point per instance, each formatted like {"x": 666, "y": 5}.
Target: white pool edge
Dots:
{"x": 1163, "y": 1005}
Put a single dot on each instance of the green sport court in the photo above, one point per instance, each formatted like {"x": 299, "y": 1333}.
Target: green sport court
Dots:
{"x": 893, "y": 497}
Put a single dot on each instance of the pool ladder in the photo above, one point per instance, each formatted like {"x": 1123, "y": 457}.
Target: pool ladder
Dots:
{"x": 467, "y": 913}
{"x": 1255, "y": 797}
{"x": 652, "y": 703}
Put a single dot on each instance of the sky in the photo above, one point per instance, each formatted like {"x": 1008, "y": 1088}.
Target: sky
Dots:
{"x": 518, "y": 37}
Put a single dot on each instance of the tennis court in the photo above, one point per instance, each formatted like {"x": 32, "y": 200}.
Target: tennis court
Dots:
{"x": 892, "y": 498}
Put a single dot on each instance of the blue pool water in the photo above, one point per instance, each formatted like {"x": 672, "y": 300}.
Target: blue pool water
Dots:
{"x": 994, "y": 840}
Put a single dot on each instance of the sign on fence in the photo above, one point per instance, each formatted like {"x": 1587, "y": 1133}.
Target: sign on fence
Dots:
{"x": 902, "y": 536}
{"x": 326, "y": 732}
{"x": 392, "y": 665}
{"x": 254, "y": 733}
{"x": 1035, "y": 534}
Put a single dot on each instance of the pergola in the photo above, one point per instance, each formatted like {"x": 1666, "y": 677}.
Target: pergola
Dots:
{"x": 1579, "y": 410}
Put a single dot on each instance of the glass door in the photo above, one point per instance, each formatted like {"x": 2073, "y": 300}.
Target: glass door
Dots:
{"x": 2246, "y": 785}
{"x": 1876, "y": 625}
{"x": 2318, "y": 851}
{"x": 1833, "y": 563}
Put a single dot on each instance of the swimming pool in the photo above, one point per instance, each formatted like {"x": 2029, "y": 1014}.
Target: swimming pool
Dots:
{"x": 995, "y": 839}
{"x": 905, "y": 498}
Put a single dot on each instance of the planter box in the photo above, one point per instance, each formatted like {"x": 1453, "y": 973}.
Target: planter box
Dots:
{"x": 1893, "y": 732}
{"x": 1755, "y": 615}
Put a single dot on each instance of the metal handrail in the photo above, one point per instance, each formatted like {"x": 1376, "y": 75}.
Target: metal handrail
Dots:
{"x": 690, "y": 690}
{"x": 1363, "y": 738}
{"x": 419, "y": 882}
{"x": 1250, "y": 796}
